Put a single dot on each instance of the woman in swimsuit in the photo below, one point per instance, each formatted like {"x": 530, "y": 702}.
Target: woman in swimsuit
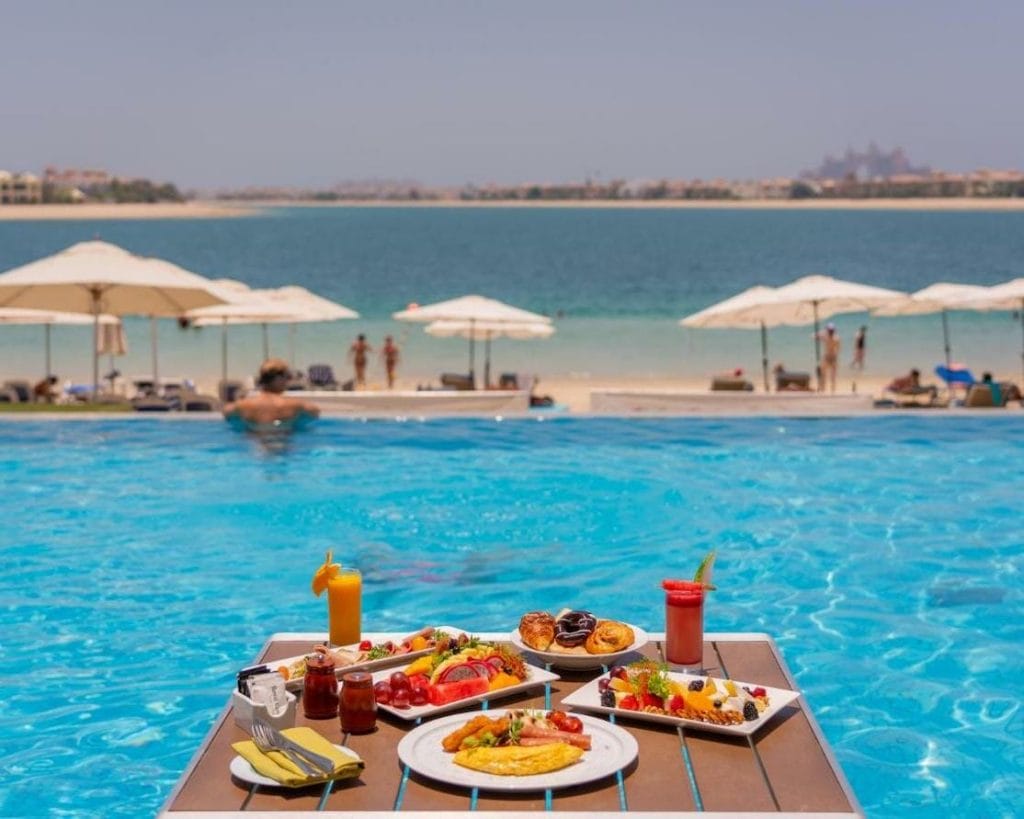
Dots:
{"x": 829, "y": 358}
{"x": 358, "y": 352}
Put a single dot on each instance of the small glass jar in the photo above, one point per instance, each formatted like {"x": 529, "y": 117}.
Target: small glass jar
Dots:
{"x": 320, "y": 687}
{"x": 358, "y": 707}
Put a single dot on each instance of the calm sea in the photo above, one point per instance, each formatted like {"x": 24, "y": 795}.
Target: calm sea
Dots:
{"x": 616, "y": 281}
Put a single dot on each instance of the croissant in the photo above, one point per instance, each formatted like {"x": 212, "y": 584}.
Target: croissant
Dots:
{"x": 610, "y": 636}
{"x": 537, "y": 628}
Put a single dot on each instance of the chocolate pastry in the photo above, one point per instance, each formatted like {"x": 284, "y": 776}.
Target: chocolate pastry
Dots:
{"x": 573, "y": 628}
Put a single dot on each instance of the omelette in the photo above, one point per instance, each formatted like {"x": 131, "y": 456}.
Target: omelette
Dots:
{"x": 519, "y": 760}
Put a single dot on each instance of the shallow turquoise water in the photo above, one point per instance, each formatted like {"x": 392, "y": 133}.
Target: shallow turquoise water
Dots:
{"x": 146, "y": 561}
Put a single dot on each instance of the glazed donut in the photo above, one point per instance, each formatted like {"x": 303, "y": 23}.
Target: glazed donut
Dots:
{"x": 537, "y": 628}
{"x": 573, "y": 628}
{"x": 610, "y": 636}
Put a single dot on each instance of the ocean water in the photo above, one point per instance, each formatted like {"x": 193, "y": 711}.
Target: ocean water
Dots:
{"x": 145, "y": 562}
{"x": 615, "y": 280}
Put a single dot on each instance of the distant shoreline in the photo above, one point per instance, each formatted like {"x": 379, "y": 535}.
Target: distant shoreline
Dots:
{"x": 921, "y": 204}
{"x": 104, "y": 210}
{"x": 231, "y": 209}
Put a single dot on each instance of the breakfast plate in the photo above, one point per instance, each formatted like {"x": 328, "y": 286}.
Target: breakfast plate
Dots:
{"x": 581, "y": 661}
{"x": 612, "y": 749}
{"x": 538, "y": 676}
{"x": 294, "y": 681}
{"x": 241, "y": 769}
{"x": 588, "y": 698}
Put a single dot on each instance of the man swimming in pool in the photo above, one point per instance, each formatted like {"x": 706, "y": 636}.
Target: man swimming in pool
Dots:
{"x": 269, "y": 406}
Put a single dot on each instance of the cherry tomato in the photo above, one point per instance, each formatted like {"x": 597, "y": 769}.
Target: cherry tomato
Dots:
{"x": 382, "y": 692}
{"x": 366, "y": 645}
{"x": 574, "y": 725}
{"x": 557, "y": 718}
{"x": 399, "y": 681}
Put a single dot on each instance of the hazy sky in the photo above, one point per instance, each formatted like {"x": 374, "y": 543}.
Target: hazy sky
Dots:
{"x": 235, "y": 92}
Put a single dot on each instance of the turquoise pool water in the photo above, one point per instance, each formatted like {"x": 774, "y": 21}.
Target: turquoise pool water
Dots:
{"x": 145, "y": 561}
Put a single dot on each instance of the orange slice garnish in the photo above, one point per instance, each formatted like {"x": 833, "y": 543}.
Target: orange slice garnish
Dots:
{"x": 324, "y": 574}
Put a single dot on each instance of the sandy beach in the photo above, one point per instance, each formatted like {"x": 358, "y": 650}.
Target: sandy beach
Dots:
{"x": 99, "y": 210}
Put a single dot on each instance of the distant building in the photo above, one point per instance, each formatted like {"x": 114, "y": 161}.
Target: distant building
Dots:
{"x": 20, "y": 189}
{"x": 81, "y": 178}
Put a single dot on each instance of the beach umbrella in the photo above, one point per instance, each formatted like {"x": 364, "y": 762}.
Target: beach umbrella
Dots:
{"x": 486, "y": 331}
{"x": 1006, "y": 296}
{"x": 47, "y": 318}
{"x": 282, "y": 305}
{"x": 813, "y": 298}
{"x": 98, "y": 277}
{"x": 940, "y": 297}
{"x": 730, "y": 314}
{"x": 471, "y": 309}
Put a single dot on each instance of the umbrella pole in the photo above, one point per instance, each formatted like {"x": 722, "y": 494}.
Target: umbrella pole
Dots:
{"x": 472, "y": 352}
{"x": 223, "y": 353}
{"x": 153, "y": 354}
{"x": 764, "y": 355}
{"x": 291, "y": 344}
{"x": 945, "y": 337}
{"x": 266, "y": 343}
{"x": 49, "y": 368}
{"x": 817, "y": 349}
{"x": 487, "y": 361}
{"x": 95, "y": 343}
{"x": 1022, "y": 336}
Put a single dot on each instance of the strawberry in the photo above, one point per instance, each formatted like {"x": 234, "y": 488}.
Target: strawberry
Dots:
{"x": 759, "y": 692}
{"x": 629, "y": 702}
{"x": 675, "y": 703}
{"x": 648, "y": 699}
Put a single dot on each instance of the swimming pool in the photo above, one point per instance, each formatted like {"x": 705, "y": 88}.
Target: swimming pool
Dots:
{"x": 147, "y": 560}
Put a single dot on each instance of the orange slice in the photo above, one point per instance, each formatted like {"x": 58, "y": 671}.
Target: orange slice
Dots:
{"x": 324, "y": 574}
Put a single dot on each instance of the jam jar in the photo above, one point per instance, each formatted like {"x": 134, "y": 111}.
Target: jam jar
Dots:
{"x": 358, "y": 707}
{"x": 320, "y": 687}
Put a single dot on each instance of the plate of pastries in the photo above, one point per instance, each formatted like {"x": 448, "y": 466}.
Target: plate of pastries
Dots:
{"x": 576, "y": 638}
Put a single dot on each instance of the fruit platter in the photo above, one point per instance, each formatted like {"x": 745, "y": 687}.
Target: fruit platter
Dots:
{"x": 646, "y": 690}
{"x": 461, "y": 671}
{"x": 577, "y": 639}
{"x": 517, "y": 750}
{"x": 367, "y": 655}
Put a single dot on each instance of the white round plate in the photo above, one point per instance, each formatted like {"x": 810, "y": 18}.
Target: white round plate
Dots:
{"x": 241, "y": 769}
{"x": 583, "y": 661}
{"x": 612, "y": 749}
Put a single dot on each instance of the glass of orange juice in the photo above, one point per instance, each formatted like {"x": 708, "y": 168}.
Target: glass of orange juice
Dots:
{"x": 344, "y": 606}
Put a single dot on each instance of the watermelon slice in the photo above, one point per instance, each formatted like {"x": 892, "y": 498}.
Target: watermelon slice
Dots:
{"x": 443, "y": 693}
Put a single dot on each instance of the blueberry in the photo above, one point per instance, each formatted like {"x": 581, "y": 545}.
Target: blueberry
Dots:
{"x": 696, "y": 685}
{"x": 608, "y": 698}
{"x": 749, "y": 711}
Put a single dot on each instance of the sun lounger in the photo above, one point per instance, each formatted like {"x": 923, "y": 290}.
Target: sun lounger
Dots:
{"x": 200, "y": 403}
{"x": 150, "y": 403}
{"x": 230, "y": 390}
{"x": 996, "y": 394}
{"x": 456, "y": 381}
{"x": 955, "y": 377}
{"x": 20, "y": 388}
{"x": 731, "y": 383}
{"x": 321, "y": 377}
{"x": 792, "y": 381}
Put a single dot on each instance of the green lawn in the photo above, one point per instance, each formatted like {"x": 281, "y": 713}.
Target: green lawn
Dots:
{"x": 63, "y": 408}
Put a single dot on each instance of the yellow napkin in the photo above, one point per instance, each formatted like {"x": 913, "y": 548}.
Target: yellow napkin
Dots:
{"x": 278, "y": 767}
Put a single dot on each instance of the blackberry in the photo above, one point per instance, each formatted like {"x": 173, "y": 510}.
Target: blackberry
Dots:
{"x": 696, "y": 685}
{"x": 749, "y": 711}
{"x": 608, "y": 698}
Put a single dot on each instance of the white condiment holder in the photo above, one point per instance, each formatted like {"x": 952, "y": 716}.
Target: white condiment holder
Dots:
{"x": 245, "y": 710}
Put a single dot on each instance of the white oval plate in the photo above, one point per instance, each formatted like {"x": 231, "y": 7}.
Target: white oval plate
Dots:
{"x": 583, "y": 661}
{"x": 612, "y": 749}
{"x": 241, "y": 769}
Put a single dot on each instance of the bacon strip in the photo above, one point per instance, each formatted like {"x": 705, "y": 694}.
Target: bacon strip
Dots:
{"x": 531, "y": 731}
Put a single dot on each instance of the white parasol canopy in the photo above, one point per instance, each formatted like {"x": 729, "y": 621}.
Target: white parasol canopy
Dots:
{"x": 1006, "y": 296}
{"x": 98, "y": 277}
{"x": 487, "y": 330}
{"x": 19, "y": 315}
{"x": 282, "y": 305}
{"x": 940, "y": 297}
{"x": 730, "y": 314}
{"x": 471, "y": 309}
{"x": 812, "y": 298}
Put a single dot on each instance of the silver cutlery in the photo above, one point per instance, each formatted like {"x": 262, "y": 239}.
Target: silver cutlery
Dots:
{"x": 271, "y": 736}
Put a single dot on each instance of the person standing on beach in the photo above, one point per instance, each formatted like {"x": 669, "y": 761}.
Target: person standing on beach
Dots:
{"x": 829, "y": 358}
{"x": 859, "y": 345}
{"x": 391, "y": 354}
{"x": 358, "y": 353}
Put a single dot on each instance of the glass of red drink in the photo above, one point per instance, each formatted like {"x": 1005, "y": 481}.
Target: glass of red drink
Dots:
{"x": 684, "y": 623}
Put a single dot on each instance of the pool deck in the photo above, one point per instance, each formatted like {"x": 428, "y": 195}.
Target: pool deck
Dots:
{"x": 786, "y": 769}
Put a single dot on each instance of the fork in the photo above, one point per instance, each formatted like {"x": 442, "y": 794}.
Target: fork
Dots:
{"x": 265, "y": 743}
{"x": 273, "y": 735}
